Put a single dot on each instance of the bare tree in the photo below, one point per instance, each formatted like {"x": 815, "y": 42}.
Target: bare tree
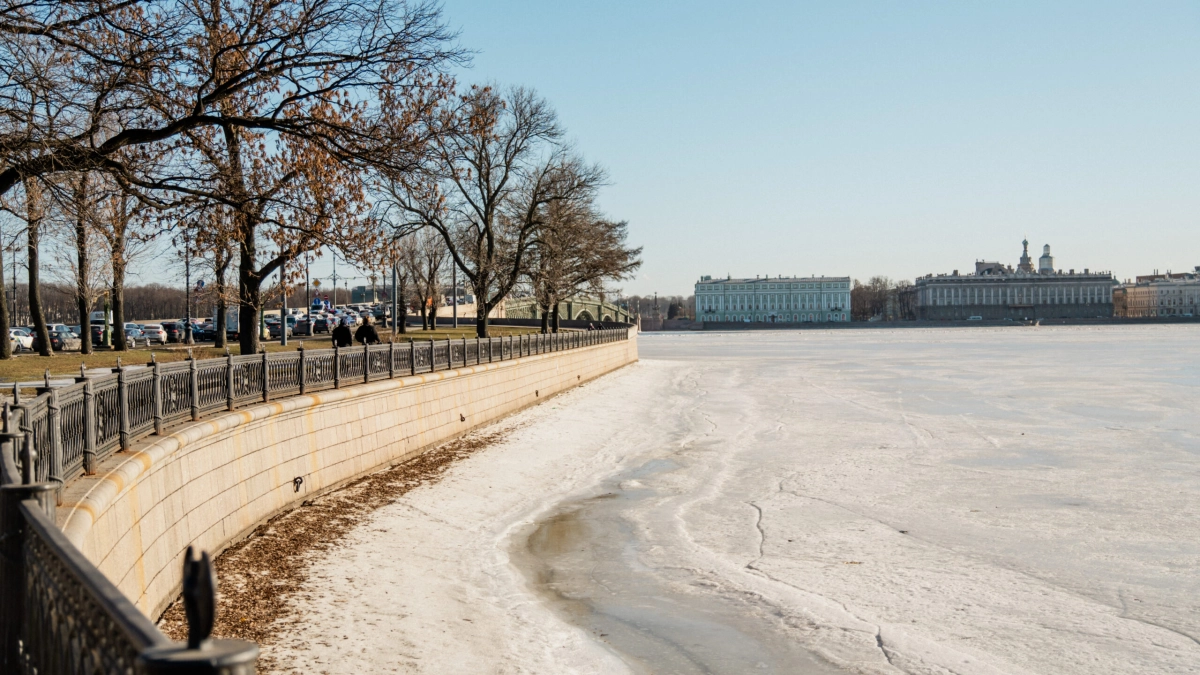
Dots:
{"x": 83, "y": 81}
{"x": 125, "y": 225}
{"x": 76, "y": 250}
{"x": 35, "y": 214}
{"x": 496, "y": 162}
{"x": 577, "y": 251}
{"x": 425, "y": 261}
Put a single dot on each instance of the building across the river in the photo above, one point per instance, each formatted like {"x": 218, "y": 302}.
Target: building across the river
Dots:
{"x": 773, "y": 299}
{"x": 995, "y": 291}
{"x": 1167, "y": 294}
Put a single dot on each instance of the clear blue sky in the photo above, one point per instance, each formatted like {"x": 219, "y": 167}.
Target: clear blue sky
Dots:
{"x": 864, "y": 138}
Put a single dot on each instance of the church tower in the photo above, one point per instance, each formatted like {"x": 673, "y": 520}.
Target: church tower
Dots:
{"x": 1026, "y": 262}
{"x": 1046, "y": 262}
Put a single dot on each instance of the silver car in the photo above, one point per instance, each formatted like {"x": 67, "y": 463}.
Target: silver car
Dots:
{"x": 154, "y": 332}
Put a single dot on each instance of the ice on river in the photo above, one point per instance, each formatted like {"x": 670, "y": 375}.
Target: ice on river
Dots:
{"x": 972, "y": 500}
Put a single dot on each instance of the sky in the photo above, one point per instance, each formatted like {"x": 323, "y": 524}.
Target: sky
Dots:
{"x": 869, "y": 138}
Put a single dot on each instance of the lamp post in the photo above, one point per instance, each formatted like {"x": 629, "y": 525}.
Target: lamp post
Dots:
{"x": 395, "y": 307}
{"x": 283, "y": 312}
{"x": 187, "y": 274}
{"x": 335, "y": 278}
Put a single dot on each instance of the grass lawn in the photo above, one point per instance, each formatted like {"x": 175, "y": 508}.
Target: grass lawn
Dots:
{"x": 27, "y": 367}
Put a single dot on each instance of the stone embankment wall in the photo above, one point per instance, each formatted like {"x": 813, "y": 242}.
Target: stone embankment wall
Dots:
{"x": 209, "y": 483}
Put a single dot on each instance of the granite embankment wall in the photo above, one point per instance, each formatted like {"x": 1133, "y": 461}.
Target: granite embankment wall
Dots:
{"x": 209, "y": 483}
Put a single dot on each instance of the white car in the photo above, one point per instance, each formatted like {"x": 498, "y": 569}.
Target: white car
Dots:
{"x": 21, "y": 339}
{"x": 154, "y": 332}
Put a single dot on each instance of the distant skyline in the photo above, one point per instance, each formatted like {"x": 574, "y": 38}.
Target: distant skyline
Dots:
{"x": 864, "y": 138}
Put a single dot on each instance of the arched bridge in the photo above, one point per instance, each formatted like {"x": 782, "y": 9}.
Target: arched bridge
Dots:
{"x": 576, "y": 309}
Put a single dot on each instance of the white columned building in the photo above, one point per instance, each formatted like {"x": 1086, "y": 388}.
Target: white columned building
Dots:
{"x": 773, "y": 300}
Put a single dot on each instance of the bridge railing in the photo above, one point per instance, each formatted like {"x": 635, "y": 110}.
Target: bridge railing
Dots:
{"x": 58, "y": 613}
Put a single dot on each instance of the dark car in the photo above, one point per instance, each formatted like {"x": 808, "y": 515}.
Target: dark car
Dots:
{"x": 273, "y": 328}
{"x": 174, "y": 331}
{"x": 302, "y": 327}
{"x": 321, "y": 325}
{"x": 203, "y": 332}
{"x": 61, "y": 338}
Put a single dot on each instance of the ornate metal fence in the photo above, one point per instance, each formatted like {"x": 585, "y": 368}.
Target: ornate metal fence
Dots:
{"x": 58, "y": 613}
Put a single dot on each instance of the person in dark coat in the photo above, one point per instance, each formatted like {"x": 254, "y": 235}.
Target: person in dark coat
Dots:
{"x": 366, "y": 333}
{"x": 341, "y": 334}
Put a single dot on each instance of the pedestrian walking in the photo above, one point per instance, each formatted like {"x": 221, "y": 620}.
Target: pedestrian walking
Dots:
{"x": 341, "y": 334}
{"x": 366, "y": 333}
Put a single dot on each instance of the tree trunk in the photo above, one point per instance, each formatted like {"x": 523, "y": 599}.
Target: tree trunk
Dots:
{"x": 424, "y": 315}
{"x": 119, "y": 340}
{"x": 400, "y": 319}
{"x": 220, "y": 339}
{"x": 545, "y": 311}
{"x": 83, "y": 268}
{"x": 554, "y": 318}
{"x": 120, "y": 227}
{"x": 221, "y": 320}
{"x": 249, "y": 299}
{"x": 34, "y": 213}
{"x": 6, "y": 342}
{"x": 482, "y": 309}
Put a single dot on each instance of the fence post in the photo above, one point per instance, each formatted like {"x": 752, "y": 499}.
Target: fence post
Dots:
{"x": 391, "y": 358}
{"x": 194, "y": 384}
{"x": 228, "y": 380}
{"x": 12, "y": 562}
{"x": 412, "y": 357}
{"x": 337, "y": 367}
{"x": 201, "y": 654}
{"x": 123, "y": 401}
{"x": 158, "y": 397}
{"x": 89, "y": 427}
{"x": 366, "y": 362}
{"x": 55, "y": 472}
{"x": 303, "y": 370}
{"x": 266, "y": 373}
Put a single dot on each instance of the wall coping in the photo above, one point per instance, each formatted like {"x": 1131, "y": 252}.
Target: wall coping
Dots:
{"x": 86, "y": 498}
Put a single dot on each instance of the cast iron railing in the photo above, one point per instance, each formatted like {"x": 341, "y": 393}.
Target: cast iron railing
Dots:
{"x": 61, "y": 615}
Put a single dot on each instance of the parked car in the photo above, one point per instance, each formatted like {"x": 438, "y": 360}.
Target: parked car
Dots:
{"x": 205, "y": 331}
{"x": 61, "y": 338}
{"x": 174, "y": 331}
{"x": 321, "y": 324}
{"x": 97, "y": 333}
{"x": 155, "y": 332}
{"x": 273, "y": 329}
{"x": 21, "y": 339}
{"x": 133, "y": 334}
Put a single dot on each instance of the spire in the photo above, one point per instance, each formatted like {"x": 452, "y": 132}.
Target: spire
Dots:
{"x": 1026, "y": 262}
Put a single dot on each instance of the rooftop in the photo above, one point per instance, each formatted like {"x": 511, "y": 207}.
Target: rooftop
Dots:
{"x": 764, "y": 280}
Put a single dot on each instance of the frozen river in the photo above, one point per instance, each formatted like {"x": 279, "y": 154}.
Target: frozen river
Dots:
{"x": 1018, "y": 500}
